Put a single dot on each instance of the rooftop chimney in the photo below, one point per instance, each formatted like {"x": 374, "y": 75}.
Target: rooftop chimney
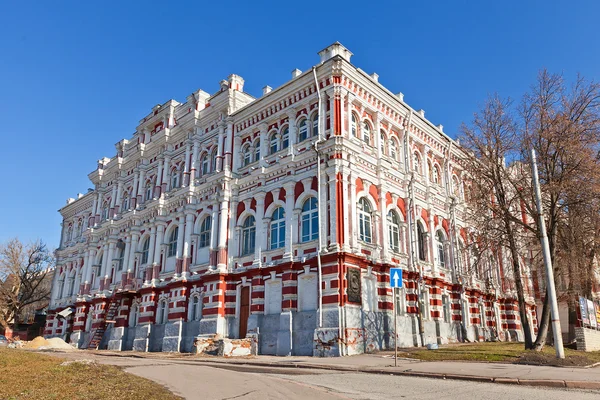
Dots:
{"x": 336, "y": 49}
{"x": 441, "y": 127}
{"x": 400, "y": 96}
{"x": 267, "y": 89}
{"x": 375, "y": 77}
{"x": 296, "y": 73}
{"x": 421, "y": 113}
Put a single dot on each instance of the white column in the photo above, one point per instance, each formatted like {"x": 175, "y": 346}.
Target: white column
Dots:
{"x": 104, "y": 261}
{"x": 292, "y": 126}
{"x": 187, "y": 243}
{"x": 222, "y": 246}
{"x": 264, "y": 145}
{"x": 323, "y": 211}
{"x": 140, "y": 191}
{"x": 180, "y": 234}
{"x": 378, "y": 119}
{"x": 159, "y": 179}
{"x": 348, "y": 110}
{"x": 119, "y": 197}
{"x": 345, "y": 206}
{"x": 219, "y": 161}
{"x": 78, "y": 273}
{"x": 187, "y": 167}
{"x": 160, "y": 233}
{"x": 113, "y": 199}
{"x": 432, "y": 243}
{"x": 193, "y": 171}
{"x": 228, "y": 142}
{"x": 126, "y": 254}
{"x": 165, "y": 175}
{"x": 332, "y": 182}
{"x": 111, "y": 255}
{"x": 134, "y": 191}
{"x": 131, "y": 260}
{"x": 353, "y": 216}
{"x": 261, "y": 234}
{"x": 290, "y": 224}
{"x": 151, "y": 249}
{"x": 383, "y": 229}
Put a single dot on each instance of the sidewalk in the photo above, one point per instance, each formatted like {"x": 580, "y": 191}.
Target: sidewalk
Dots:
{"x": 563, "y": 377}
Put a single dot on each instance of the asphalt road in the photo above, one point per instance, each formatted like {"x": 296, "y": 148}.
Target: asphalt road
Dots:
{"x": 224, "y": 382}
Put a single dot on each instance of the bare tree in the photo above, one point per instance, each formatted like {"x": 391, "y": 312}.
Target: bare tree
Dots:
{"x": 563, "y": 126}
{"x": 490, "y": 140}
{"x": 23, "y": 269}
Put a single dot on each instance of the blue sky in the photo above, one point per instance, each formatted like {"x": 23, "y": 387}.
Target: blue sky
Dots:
{"x": 76, "y": 77}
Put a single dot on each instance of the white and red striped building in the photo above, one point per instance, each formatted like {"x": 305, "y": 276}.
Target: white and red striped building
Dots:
{"x": 279, "y": 217}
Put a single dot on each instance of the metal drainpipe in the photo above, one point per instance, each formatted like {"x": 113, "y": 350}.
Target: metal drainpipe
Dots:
{"x": 319, "y": 216}
{"x": 412, "y": 229}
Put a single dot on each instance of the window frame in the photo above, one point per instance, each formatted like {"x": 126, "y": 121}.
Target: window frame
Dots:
{"x": 393, "y": 221}
{"x": 365, "y": 220}
{"x": 204, "y": 234}
{"x": 172, "y": 243}
{"x": 248, "y": 239}
{"x": 277, "y": 229}
{"x": 309, "y": 220}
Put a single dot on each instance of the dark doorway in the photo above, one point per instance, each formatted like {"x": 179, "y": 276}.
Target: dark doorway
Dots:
{"x": 244, "y": 311}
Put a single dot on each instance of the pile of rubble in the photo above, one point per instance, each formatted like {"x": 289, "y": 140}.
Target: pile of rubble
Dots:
{"x": 39, "y": 343}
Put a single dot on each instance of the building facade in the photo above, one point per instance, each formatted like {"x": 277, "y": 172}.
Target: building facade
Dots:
{"x": 279, "y": 218}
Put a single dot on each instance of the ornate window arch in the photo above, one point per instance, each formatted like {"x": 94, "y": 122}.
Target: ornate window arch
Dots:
{"x": 277, "y": 229}
{"x": 365, "y": 220}
{"x": 417, "y": 167}
{"x": 303, "y": 130}
{"x": 440, "y": 239}
{"x": 204, "y": 164}
{"x": 383, "y": 143}
{"x": 204, "y": 236}
{"x": 172, "y": 243}
{"x": 175, "y": 177}
{"x": 125, "y": 204}
{"x": 310, "y": 220}
{"x": 256, "y": 145}
{"x": 273, "y": 142}
{"x": 393, "y": 222}
{"x": 248, "y": 236}
{"x": 394, "y": 149}
{"x": 145, "y": 251}
{"x": 246, "y": 155}
{"x": 105, "y": 211}
{"x": 285, "y": 138}
{"x": 421, "y": 241}
{"x": 354, "y": 125}
{"x": 366, "y": 132}
{"x": 314, "y": 124}
{"x": 435, "y": 175}
{"x": 149, "y": 191}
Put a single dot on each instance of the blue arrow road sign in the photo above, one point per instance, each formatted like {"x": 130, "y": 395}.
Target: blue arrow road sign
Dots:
{"x": 396, "y": 277}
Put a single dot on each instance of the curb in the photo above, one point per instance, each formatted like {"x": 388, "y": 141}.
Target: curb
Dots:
{"x": 549, "y": 383}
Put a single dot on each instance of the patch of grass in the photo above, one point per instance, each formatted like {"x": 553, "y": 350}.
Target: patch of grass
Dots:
{"x": 513, "y": 353}
{"x": 29, "y": 375}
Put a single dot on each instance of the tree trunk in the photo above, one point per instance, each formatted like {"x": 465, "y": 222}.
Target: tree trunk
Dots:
{"x": 519, "y": 286}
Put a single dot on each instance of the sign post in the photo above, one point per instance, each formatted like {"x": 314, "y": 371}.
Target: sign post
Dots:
{"x": 395, "y": 282}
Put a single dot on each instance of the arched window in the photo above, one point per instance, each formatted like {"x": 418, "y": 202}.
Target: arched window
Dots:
{"x": 394, "y": 230}
{"x": 247, "y": 154}
{"x": 383, "y": 143}
{"x": 248, "y": 236}
{"x": 273, "y": 143}
{"x": 204, "y": 164}
{"x": 440, "y": 248}
{"x": 310, "y": 220}
{"x": 354, "y": 126}
{"x": 205, "y": 226}
{"x": 133, "y": 316}
{"x": 421, "y": 242}
{"x": 125, "y": 204}
{"x": 366, "y": 133}
{"x": 436, "y": 175}
{"x": 455, "y": 186}
{"x": 315, "y": 124}
{"x": 162, "y": 312}
{"x": 149, "y": 191}
{"x": 195, "y": 308}
{"x": 121, "y": 255}
{"x": 77, "y": 229}
{"x": 145, "y": 250}
{"x": 175, "y": 178}
{"x": 257, "y": 149}
{"x": 364, "y": 220}
{"x": 105, "y": 211}
{"x": 172, "y": 250}
{"x": 303, "y": 130}
{"x": 285, "y": 138}
{"x": 278, "y": 228}
{"x": 213, "y": 160}
{"x": 70, "y": 232}
{"x": 393, "y": 149}
{"x": 417, "y": 163}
